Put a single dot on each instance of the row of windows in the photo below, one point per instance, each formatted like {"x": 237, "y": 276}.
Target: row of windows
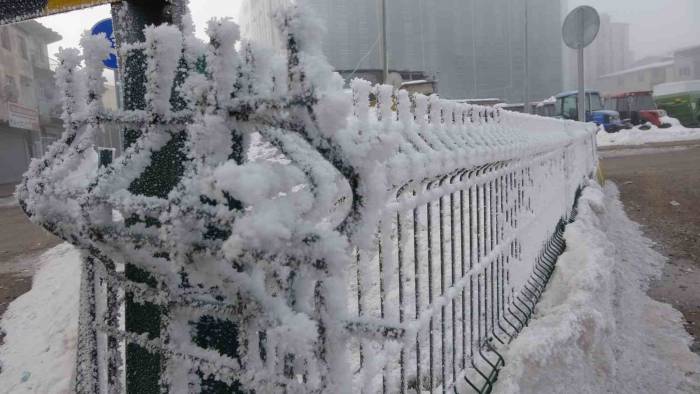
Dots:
{"x": 10, "y": 91}
{"x": 6, "y": 41}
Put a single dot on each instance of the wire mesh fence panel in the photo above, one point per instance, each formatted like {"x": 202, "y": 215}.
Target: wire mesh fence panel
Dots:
{"x": 395, "y": 245}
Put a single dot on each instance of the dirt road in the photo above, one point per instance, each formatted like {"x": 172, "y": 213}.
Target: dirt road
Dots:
{"x": 660, "y": 188}
{"x": 20, "y": 241}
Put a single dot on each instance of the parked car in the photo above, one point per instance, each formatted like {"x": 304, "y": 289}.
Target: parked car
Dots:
{"x": 567, "y": 108}
{"x": 681, "y": 100}
{"x": 637, "y": 108}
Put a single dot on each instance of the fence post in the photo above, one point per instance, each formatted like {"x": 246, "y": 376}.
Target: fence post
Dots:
{"x": 143, "y": 368}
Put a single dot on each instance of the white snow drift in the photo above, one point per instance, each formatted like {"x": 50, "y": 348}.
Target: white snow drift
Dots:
{"x": 41, "y": 328}
{"x": 596, "y": 330}
{"x": 635, "y": 136}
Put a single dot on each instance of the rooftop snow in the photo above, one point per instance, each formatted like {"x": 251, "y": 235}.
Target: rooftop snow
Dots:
{"x": 649, "y": 66}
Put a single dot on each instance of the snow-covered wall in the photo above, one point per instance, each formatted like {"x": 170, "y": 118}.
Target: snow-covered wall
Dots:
{"x": 331, "y": 264}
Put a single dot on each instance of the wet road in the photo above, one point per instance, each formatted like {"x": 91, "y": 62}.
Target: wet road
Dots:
{"x": 660, "y": 188}
{"x": 20, "y": 241}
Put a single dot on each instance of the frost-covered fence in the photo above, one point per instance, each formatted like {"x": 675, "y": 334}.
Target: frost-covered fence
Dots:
{"x": 387, "y": 248}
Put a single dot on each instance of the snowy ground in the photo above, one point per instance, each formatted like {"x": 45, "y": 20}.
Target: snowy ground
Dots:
{"x": 635, "y": 136}
{"x": 41, "y": 328}
{"x": 595, "y": 329}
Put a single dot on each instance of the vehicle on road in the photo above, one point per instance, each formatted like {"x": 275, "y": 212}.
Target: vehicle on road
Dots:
{"x": 514, "y": 107}
{"x": 637, "y": 108}
{"x": 567, "y": 108}
{"x": 681, "y": 100}
{"x": 546, "y": 107}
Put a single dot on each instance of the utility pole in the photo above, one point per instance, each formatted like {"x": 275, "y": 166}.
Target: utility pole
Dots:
{"x": 526, "y": 94}
{"x": 385, "y": 48}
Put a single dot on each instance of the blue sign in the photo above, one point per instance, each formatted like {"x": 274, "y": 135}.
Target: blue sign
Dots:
{"x": 105, "y": 26}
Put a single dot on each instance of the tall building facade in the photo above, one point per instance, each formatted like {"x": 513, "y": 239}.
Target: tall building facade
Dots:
{"x": 473, "y": 48}
{"x": 28, "y": 99}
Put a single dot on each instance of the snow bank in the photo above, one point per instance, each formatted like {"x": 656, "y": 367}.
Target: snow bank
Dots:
{"x": 595, "y": 328}
{"x": 41, "y": 328}
{"x": 635, "y": 136}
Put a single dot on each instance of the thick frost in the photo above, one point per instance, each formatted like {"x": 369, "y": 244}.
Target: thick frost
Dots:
{"x": 297, "y": 239}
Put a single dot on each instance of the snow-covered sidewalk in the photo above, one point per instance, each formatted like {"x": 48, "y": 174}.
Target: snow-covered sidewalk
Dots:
{"x": 596, "y": 330}
{"x": 41, "y": 328}
{"x": 635, "y": 136}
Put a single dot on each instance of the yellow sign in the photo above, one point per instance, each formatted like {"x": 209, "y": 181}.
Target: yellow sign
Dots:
{"x": 19, "y": 10}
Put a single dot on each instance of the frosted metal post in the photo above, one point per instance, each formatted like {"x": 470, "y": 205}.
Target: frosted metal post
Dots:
{"x": 581, "y": 89}
{"x": 143, "y": 368}
{"x": 385, "y": 48}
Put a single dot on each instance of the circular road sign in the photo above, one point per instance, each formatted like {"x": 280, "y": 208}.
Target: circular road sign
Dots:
{"x": 581, "y": 27}
{"x": 105, "y": 26}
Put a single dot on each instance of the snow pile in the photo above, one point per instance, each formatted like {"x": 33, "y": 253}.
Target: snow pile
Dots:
{"x": 595, "y": 327}
{"x": 635, "y": 136}
{"x": 41, "y": 328}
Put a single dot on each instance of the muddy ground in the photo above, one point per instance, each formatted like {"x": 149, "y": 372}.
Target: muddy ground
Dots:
{"x": 660, "y": 188}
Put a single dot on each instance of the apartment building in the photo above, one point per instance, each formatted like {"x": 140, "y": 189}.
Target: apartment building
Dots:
{"x": 28, "y": 98}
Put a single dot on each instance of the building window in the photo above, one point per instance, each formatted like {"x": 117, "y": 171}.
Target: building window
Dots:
{"x": 26, "y": 82}
{"x": 5, "y": 38}
{"x": 23, "y": 47}
{"x": 10, "y": 89}
{"x": 620, "y": 81}
{"x": 684, "y": 71}
{"x": 657, "y": 74}
{"x": 640, "y": 76}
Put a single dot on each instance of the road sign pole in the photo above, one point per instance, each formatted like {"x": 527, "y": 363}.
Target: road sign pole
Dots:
{"x": 579, "y": 30}
{"x": 581, "y": 88}
{"x": 143, "y": 368}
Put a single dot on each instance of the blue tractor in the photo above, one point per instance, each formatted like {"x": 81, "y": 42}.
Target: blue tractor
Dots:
{"x": 567, "y": 108}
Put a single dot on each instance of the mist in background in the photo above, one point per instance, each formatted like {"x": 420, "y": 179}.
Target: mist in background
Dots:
{"x": 657, "y": 27}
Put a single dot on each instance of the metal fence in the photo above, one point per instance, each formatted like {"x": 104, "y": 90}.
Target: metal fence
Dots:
{"x": 430, "y": 234}
{"x": 461, "y": 257}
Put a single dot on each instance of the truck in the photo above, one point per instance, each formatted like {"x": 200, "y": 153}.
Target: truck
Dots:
{"x": 567, "y": 108}
{"x": 637, "y": 108}
{"x": 681, "y": 100}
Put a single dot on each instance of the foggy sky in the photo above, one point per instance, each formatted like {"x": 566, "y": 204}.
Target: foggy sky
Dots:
{"x": 72, "y": 24}
{"x": 656, "y": 26}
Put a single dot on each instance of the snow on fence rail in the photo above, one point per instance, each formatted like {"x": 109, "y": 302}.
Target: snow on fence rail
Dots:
{"x": 395, "y": 247}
